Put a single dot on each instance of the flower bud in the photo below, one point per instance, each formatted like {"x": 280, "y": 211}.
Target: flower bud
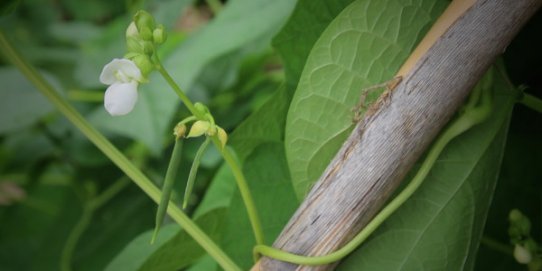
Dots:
{"x": 520, "y": 221}
{"x": 159, "y": 34}
{"x": 134, "y": 45}
{"x": 144, "y": 63}
{"x": 199, "y": 128}
{"x": 145, "y": 24}
{"x": 522, "y": 255}
{"x": 146, "y": 34}
{"x": 202, "y": 109}
{"x": 179, "y": 130}
{"x": 131, "y": 31}
{"x": 515, "y": 215}
{"x": 148, "y": 47}
{"x": 212, "y": 130}
{"x": 222, "y": 136}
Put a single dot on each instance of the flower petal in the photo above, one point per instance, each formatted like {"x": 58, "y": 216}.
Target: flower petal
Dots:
{"x": 199, "y": 128}
{"x": 120, "y": 98}
{"x": 120, "y": 71}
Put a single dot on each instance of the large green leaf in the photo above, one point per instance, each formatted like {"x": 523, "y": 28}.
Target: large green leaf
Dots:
{"x": 27, "y": 226}
{"x": 296, "y": 39}
{"x": 264, "y": 125}
{"x": 174, "y": 250}
{"x": 365, "y": 45}
{"x": 106, "y": 234}
{"x": 206, "y": 263}
{"x": 240, "y": 24}
{"x": 21, "y": 105}
{"x": 440, "y": 227}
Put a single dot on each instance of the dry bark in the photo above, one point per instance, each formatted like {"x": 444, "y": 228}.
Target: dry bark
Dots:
{"x": 384, "y": 146}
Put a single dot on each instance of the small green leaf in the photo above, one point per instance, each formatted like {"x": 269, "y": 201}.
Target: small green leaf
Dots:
{"x": 363, "y": 46}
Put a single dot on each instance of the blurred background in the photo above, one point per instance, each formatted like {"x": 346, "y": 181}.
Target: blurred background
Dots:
{"x": 64, "y": 205}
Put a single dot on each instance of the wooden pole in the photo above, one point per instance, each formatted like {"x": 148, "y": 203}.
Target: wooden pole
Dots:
{"x": 385, "y": 145}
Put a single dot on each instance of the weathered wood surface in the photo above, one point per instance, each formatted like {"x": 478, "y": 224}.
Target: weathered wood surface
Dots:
{"x": 382, "y": 149}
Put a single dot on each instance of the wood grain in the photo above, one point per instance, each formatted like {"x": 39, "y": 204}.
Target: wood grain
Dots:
{"x": 383, "y": 147}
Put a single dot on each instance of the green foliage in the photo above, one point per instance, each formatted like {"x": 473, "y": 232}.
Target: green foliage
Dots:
{"x": 286, "y": 117}
{"x": 270, "y": 183}
{"x": 173, "y": 250}
{"x": 360, "y": 47}
{"x": 456, "y": 196}
{"x": 294, "y": 42}
{"x": 22, "y": 106}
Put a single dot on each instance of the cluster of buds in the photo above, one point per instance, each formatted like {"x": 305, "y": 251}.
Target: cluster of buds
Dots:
{"x": 142, "y": 38}
{"x": 205, "y": 127}
{"x": 124, "y": 75}
{"x": 526, "y": 250}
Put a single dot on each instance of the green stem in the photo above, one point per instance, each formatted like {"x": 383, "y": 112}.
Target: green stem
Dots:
{"x": 245, "y": 191}
{"x": 73, "y": 238}
{"x": 186, "y": 101}
{"x": 228, "y": 157}
{"x": 532, "y": 102}
{"x": 113, "y": 153}
{"x": 497, "y": 246}
{"x": 472, "y": 115}
{"x": 108, "y": 194}
{"x": 84, "y": 221}
{"x": 85, "y": 96}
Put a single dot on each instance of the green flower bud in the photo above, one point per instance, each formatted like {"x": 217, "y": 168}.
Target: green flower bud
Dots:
{"x": 146, "y": 34}
{"x": 131, "y": 31}
{"x": 144, "y": 63}
{"x": 201, "y": 108}
{"x": 131, "y": 55}
{"x": 515, "y": 215}
{"x": 148, "y": 47}
{"x": 514, "y": 232}
{"x": 222, "y": 136}
{"x": 159, "y": 34}
{"x": 199, "y": 128}
{"x": 519, "y": 220}
{"x": 144, "y": 21}
{"x": 524, "y": 225}
{"x": 179, "y": 130}
{"x": 133, "y": 45}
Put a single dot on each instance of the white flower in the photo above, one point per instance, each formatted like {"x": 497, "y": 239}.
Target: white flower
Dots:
{"x": 522, "y": 254}
{"x": 123, "y": 77}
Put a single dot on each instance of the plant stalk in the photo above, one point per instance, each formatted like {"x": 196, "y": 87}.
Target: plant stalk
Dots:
{"x": 113, "y": 153}
{"x": 228, "y": 157}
